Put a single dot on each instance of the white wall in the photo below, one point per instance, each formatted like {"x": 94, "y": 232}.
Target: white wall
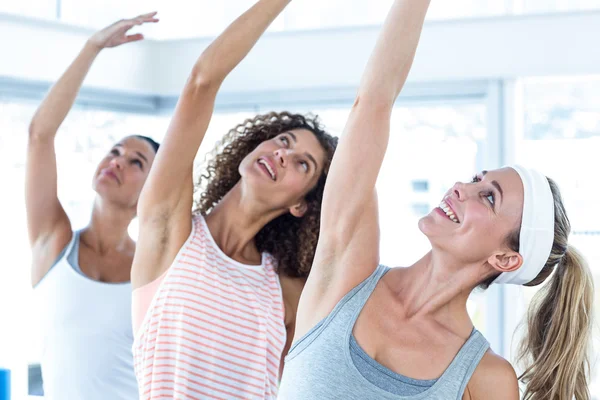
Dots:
{"x": 499, "y": 47}
{"x": 484, "y": 48}
{"x": 34, "y": 50}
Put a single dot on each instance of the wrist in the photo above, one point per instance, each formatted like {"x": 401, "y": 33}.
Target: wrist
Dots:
{"x": 93, "y": 47}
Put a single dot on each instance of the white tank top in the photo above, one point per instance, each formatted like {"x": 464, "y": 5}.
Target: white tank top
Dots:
{"x": 87, "y": 335}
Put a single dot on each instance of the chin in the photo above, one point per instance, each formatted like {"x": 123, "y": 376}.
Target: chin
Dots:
{"x": 426, "y": 224}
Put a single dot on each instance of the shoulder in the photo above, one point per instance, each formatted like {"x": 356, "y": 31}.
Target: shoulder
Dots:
{"x": 494, "y": 372}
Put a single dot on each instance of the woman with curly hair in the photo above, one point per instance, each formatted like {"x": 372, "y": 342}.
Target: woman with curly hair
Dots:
{"x": 216, "y": 290}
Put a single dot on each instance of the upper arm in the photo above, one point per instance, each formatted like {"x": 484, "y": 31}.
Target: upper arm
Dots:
{"x": 354, "y": 169}
{"x": 167, "y": 185}
{"x": 165, "y": 204}
{"x": 349, "y": 233}
{"x": 493, "y": 372}
{"x": 161, "y": 236}
{"x": 362, "y": 147}
{"x": 48, "y": 225}
{"x": 334, "y": 274}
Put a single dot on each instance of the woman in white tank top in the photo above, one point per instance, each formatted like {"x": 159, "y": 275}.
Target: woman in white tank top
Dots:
{"x": 81, "y": 279}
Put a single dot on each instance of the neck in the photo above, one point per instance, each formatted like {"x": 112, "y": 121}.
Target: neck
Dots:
{"x": 107, "y": 229}
{"x": 235, "y": 221}
{"x": 438, "y": 285}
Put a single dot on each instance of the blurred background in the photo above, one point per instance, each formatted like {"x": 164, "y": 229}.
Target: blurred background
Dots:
{"x": 494, "y": 82}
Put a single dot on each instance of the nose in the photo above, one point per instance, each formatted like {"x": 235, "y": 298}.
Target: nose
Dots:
{"x": 117, "y": 163}
{"x": 281, "y": 155}
{"x": 459, "y": 191}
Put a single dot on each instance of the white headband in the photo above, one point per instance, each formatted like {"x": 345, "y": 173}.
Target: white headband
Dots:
{"x": 537, "y": 227}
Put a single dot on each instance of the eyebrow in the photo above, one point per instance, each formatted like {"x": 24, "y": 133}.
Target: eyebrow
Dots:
{"x": 143, "y": 157}
{"x": 293, "y": 136}
{"x": 309, "y": 156}
{"x": 495, "y": 184}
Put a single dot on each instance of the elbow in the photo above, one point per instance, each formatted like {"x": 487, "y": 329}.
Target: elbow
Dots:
{"x": 37, "y": 133}
{"x": 204, "y": 78}
{"x": 374, "y": 103}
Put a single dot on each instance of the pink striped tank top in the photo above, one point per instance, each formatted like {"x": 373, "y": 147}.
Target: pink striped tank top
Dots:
{"x": 214, "y": 328}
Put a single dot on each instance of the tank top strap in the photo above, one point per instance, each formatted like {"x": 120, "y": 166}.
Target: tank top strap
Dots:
{"x": 466, "y": 360}
{"x": 343, "y": 315}
{"x": 358, "y": 301}
{"x": 72, "y": 244}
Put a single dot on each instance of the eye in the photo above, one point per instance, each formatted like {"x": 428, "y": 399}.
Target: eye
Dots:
{"x": 285, "y": 141}
{"x": 114, "y": 152}
{"x": 488, "y": 195}
{"x": 304, "y": 165}
{"x": 137, "y": 162}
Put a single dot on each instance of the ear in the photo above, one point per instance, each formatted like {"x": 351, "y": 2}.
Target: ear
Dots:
{"x": 507, "y": 261}
{"x": 298, "y": 210}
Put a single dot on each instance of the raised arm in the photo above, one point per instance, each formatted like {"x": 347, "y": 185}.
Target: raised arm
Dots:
{"x": 164, "y": 209}
{"x": 48, "y": 225}
{"x": 348, "y": 243}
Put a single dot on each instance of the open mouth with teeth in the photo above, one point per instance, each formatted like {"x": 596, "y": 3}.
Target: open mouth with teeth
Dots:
{"x": 267, "y": 168}
{"x": 448, "y": 211}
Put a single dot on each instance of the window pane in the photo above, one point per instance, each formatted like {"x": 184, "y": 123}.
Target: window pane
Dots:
{"x": 100, "y": 13}
{"x": 316, "y": 14}
{"x": 208, "y": 18}
{"x": 34, "y": 8}
{"x": 178, "y": 18}
{"x": 562, "y": 138}
{"x": 539, "y": 6}
{"x": 202, "y": 18}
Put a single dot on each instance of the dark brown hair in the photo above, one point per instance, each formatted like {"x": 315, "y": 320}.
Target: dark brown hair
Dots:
{"x": 291, "y": 241}
{"x": 155, "y": 145}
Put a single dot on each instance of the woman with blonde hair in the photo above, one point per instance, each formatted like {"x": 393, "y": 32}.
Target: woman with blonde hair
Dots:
{"x": 365, "y": 331}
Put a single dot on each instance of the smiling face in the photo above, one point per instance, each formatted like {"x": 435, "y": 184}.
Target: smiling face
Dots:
{"x": 122, "y": 173}
{"x": 474, "y": 219}
{"x": 282, "y": 170}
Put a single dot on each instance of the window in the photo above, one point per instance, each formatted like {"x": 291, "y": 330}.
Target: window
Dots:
{"x": 205, "y": 18}
{"x": 33, "y": 8}
{"x": 178, "y": 18}
{"x": 420, "y": 186}
{"x": 100, "y": 13}
{"x": 540, "y": 6}
{"x": 315, "y": 14}
{"x": 561, "y": 137}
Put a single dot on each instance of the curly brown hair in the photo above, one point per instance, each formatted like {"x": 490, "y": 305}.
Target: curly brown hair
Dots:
{"x": 291, "y": 241}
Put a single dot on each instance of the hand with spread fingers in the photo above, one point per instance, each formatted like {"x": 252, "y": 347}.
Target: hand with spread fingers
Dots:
{"x": 116, "y": 34}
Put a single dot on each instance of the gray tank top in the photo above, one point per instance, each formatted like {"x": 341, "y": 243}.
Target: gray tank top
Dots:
{"x": 320, "y": 365}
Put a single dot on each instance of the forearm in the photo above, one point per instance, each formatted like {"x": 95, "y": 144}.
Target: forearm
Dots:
{"x": 392, "y": 57}
{"x": 230, "y": 48}
{"x": 55, "y": 107}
